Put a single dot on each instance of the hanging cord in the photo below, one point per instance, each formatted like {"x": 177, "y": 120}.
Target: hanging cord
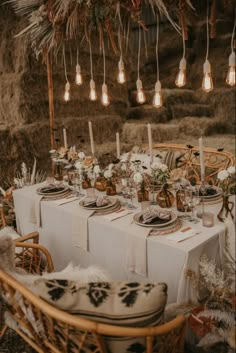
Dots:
{"x": 64, "y": 59}
{"x": 91, "y": 59}
{"x": 120, "y": 46}
{"x": 232, "y": 39}
{"x": 104, "y": 64}
{"x": 184, "y": 48}
{"x": 139, "y": 48}
{"x": 157, "y": 42}
{"x": 207, "y": 24}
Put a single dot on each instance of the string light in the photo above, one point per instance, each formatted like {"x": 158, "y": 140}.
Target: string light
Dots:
{"x": 78, "y": 76}
{"x": 105, "y": 98}
{"x": 180, "y": 80}
{"x": 157, "y": 99}
{"x": 207, "y": 81}
{"x": 140, "y": 92}
{"x": 121, "y": 77}
{"x": 92, "y": 92}
{"x": 67, "y": 86}
{"x": 230, "y": 77}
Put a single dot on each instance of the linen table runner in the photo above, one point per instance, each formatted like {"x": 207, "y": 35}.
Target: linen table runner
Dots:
{"x": 80, "y": 228}
{"x": 35, "y": 210}
{"x": 136, "y": 259}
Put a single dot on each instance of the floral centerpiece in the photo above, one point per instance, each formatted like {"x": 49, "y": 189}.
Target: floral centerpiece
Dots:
{"x": 159, "y": 172}
{"x": 108, "y": 175}
{"x": 227, "y": 182}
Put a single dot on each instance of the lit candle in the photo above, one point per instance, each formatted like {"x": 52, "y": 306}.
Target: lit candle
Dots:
{"x": 91, "y": 137}
{"x": 118, "y": 145}
{"x": 150, "y": 141}
{"x": 202, "y": 164}
{"x": 65, "y": 138}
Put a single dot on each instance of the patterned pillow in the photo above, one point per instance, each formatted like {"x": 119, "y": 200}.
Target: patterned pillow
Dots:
{"x": 118, "y": 303}
{"x": 9, "y": 231}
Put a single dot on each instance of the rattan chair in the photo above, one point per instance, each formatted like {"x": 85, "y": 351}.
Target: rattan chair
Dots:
{"x": 52, "y": 330}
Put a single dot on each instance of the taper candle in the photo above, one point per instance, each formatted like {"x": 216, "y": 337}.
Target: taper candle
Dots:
{"x": 118, "y": 145}
{"x": 91, "y": 137}
{"x": 150, "y": 140}
{"x": 202, "y": 164}
{"x": 65, "y": 138}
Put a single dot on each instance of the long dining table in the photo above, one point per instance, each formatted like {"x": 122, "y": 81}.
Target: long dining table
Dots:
{"x": 109, "y": 243}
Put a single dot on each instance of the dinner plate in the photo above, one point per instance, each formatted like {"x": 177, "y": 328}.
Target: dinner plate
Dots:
{"x": 138, "y": 215}
{"x": 111, "y": 202}
{"x": 52, "y": 190}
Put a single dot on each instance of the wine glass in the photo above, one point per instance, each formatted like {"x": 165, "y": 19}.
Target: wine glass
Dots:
{"x": 78, "y": 183}
{"x": 185, "y": 198}
{"x": 196, "y": 199}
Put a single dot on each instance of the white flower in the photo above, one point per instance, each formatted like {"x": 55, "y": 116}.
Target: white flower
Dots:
{"x": 123, "y": 167}
{"x": 81, "y": 155}
{"x": 52, "y": 151}
{"x": 108, "y": 174}
{"x": 231, "y": 170}
{"x": 111, "y": 165}
{"x": 222, "y": 175}
{"x": 156, "y": 165}
{"x": 96, "y": 169}
{"x": 163, "y": 168}
{"x": 78, "y": 165}
{"x": 138, "y": 178}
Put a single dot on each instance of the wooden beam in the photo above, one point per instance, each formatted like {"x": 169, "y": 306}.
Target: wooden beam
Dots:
{"x": 50, "y": 99}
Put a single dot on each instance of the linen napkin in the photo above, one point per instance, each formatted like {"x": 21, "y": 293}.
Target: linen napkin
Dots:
{"x": 80, "y": 228}
{"x": 35, "y": 210}
{"x": 136, "y": 257}
{"x": 183, "y": 234}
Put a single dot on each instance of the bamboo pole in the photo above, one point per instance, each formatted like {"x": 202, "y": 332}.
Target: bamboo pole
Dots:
{"x": 50, "y": 100}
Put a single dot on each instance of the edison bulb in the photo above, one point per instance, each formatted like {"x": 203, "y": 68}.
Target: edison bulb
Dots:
{"x": 105, "y": 97}
{"x": 78, "y": 77}
{"x": 207, "y": 81}
{"x": 121, "y": 78}
{"x": 92, "y": 93}
{"x": 67, "y": 92}
{"x": 140, "y": 93}
{"x": 157, "y": 99}
{"x": 230, "y": 78}
{"x": 181, "y": 76}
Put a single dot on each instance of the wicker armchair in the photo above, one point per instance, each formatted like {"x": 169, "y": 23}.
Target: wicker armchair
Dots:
{"x": 52, "y": 330}
{"x": 187, "y": 158}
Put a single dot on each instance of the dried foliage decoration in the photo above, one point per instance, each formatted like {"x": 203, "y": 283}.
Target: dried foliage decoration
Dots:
{"x": 50, "y": 23}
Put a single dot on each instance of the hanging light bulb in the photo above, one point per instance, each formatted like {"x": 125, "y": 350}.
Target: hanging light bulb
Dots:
{"x": 140, "y": 93}
{"x": 230, "y": 78}
{"x": 207, "y": 82}
{"x": 105, "y": 97}
{"x": 93, "y": 93}
{"x": 67, "y": 91}
{"x": 157, "y": 99}
{"x": 78, "y": 77}
{"x": 121, "y": 78}
{"x": 181, "y": 76}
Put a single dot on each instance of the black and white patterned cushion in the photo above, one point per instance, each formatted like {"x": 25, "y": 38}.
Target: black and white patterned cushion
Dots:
{"x": 118, "y": 303}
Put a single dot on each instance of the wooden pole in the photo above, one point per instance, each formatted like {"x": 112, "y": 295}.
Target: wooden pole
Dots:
{"x": 50, "y": 100}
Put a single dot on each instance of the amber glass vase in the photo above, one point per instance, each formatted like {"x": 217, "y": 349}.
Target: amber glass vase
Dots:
{"x": 58, "y": 171}
{"x": 165, "y": 198}
{"x": 110, "y": 188}
{"x": 86, "y": 183}
{"x": 226, "y": 209}
{"x": 100, "y": 184}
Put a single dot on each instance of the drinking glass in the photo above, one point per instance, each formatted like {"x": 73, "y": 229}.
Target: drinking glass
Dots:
{"x": 185, "y": 198}
{"x": 196, "y": 199}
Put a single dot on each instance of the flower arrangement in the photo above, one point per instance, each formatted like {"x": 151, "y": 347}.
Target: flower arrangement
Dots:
{"x": 159, "y": 172}
{"x": 227, "y": 180}
{"x": 59, "y": 155}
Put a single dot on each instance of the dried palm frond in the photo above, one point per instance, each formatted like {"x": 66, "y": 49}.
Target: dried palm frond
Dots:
{"x": 25, "y": 7}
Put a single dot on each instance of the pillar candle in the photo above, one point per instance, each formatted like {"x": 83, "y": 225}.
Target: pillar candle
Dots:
{"x": 91, "y": 137}
{"x": 202, "y": 164}
{"x": 65, "y": 138}
{"x": 150, "y": 140}
{"x": 118, "y": 145}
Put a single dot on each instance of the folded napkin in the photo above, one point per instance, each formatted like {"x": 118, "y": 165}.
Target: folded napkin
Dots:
{"x": 136, "y": 257}
{"x": 183, "y": 234}
{"x": 80, "y": 228}
{"x": 35, "y": 210}
{"x": 117, "y": 214}
{"x": 154, "y": 215}
{"x": 96, "y": 201}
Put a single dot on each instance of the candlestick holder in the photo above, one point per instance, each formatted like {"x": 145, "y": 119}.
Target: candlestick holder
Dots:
{"x": 202, "y": 192}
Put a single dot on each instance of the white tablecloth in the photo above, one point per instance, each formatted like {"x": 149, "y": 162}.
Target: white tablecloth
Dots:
{"x": 166, "y": 261}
